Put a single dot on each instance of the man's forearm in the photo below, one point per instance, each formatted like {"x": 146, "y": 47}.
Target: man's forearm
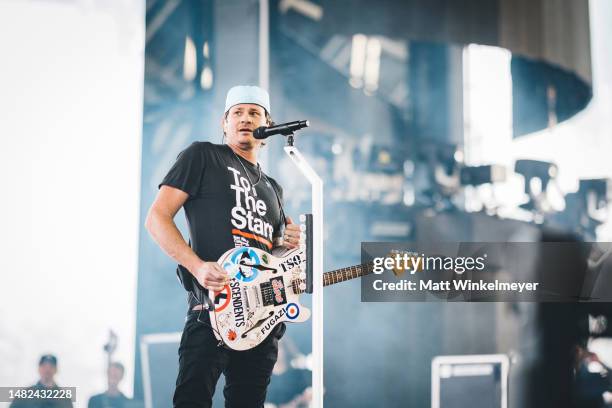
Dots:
{"x": 164, "y": 231}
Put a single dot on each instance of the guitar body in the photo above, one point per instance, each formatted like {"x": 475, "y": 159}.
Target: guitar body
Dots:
{"x": 263, "y": 292}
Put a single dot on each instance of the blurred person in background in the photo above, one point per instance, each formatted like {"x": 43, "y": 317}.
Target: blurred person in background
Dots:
{"x": 112, "y": 397}
{"x": 592, "y": 380}
{"x": 47, "y": 369}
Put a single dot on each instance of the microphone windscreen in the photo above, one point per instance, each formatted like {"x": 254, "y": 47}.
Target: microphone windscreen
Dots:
{"x": 260, "y": 133}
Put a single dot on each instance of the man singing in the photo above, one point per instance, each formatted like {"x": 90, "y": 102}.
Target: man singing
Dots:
{"x": 229, "y": 202}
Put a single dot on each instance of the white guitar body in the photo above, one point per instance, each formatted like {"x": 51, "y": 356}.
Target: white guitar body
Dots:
{"x": 263, "y": 292}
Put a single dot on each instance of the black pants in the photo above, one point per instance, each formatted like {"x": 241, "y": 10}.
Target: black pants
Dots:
{"x": 201, "y": 362}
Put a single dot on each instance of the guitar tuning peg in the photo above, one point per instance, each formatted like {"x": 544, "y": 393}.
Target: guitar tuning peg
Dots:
{"x": 302, "y": 275}
{"x": 302, "y": 217}
{"x": 302, "y": 286}
{"x": 302, "y": 227}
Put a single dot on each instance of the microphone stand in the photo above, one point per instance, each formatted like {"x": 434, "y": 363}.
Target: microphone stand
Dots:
{"x": 317, "y": 267}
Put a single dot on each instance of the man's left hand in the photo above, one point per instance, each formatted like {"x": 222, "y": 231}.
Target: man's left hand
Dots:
{"x": 291, "y": 238}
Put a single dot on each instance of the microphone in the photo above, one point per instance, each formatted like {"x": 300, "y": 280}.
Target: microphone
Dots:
{"x": 283, "y": 129}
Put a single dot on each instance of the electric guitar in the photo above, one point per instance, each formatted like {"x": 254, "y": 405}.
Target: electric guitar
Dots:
{"x": 263, "y": 291}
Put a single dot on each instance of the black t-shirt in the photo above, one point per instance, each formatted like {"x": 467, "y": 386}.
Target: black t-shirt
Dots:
{"x": 224, "y": 210}
{"x": 106, "y": 401}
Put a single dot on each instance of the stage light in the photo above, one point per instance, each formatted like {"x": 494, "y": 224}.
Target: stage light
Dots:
{"x": 544, "y": 171}
{"x": 386, "y": 160}
{"x": 189, "y": 60}
{"x": 337, "y": 148}
{"x": 358, "y": 55}
{"x": 477, "y": 175}
{"x": 304, "y": 7}
{"x": 537, "y": 175}
{"x": 587, "y": 208}
{"x": 596, "y": 195}
{"x": 458, "y": 156}
{"x": 372, "y": 65}
{"x": 601, "y": 189}
{"x": 206, "y": 81}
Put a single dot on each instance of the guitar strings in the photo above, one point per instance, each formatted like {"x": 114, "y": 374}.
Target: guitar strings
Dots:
{"x": 360, "y": 270}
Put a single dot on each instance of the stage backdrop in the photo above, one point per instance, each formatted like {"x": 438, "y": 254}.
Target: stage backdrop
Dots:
{"x": 71, "y": 120}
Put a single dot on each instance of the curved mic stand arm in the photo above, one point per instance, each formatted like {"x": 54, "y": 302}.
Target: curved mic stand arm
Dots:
{"x": 317, "y": 268}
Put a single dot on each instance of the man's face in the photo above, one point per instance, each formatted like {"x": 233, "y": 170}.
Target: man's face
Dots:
{"x": 240, "y": 123}
{"x": 47, "y": 371}
{"x": 115, "y": 375}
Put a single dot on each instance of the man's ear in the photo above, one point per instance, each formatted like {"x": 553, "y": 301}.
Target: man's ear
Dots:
{"x": 223, "y": 126}
{"x": 223, "y": 122}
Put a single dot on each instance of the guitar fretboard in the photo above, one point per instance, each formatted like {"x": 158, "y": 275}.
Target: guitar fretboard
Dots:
{"x": 337, "y": 276}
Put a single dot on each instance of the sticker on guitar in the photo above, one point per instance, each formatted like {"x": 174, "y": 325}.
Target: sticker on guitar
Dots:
{"x": 292, "y": 311}
{"x": 242, "y": 264}
{"x": 223, "y": 298}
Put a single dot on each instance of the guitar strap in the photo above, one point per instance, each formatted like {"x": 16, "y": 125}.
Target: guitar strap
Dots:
{"x": 190, "y": 285}
{"x": 280, "y": 206}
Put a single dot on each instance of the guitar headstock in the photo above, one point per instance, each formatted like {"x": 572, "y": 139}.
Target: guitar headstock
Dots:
{"x": 307, "y": 231}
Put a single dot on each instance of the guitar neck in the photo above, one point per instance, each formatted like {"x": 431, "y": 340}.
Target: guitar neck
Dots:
{"x": 344, "y": 274}
{"x": 337, "y": 276}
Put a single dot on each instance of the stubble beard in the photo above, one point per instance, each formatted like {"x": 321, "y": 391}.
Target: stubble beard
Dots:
{"x": 245, "y": 144}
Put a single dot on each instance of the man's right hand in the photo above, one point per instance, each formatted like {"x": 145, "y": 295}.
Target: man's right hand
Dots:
{"x": 210, "y": 275}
